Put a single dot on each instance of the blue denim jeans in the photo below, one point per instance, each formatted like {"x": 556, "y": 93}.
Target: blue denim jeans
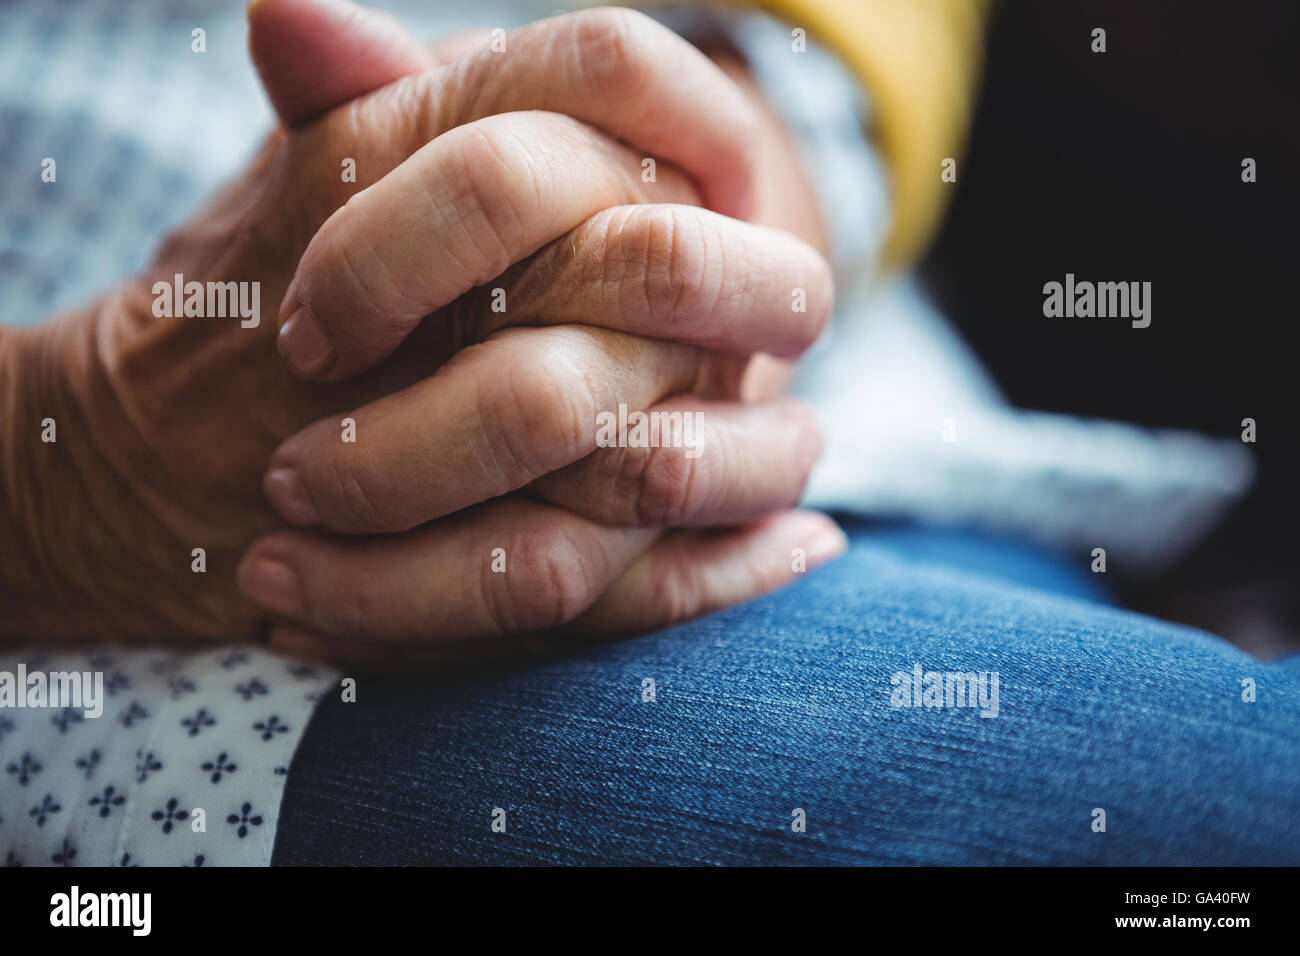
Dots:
{"x": 785, "y": 731}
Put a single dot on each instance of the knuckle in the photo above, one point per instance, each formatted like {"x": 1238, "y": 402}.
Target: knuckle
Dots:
{"x": 598, "y": 250}
{"x": 553, "y": 578}
{"x": 365, "y": 276}
{"x": 349, "y": 485}
{"x": 389, "y": 123}
{"x": 609, "y": 250}
{"x": 683, "y": 269}
{"x": 500, "y": 188}
{"x": 666, "y": 487}
{"x": 613, "y": 54}
{"x": 548, "y": 409}
{"x": 555, "y": 390}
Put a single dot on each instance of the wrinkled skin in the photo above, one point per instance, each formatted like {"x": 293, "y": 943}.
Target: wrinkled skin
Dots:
{"x": 166, "y": 427}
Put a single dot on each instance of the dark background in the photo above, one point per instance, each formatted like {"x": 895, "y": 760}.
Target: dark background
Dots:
{"x": 1126, "y": 166}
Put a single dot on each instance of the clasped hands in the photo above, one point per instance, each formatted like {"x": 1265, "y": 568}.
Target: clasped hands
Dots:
{"x": 501, "y": 271}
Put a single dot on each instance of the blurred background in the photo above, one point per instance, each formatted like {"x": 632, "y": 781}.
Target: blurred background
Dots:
{"x": 1127, "y": 166}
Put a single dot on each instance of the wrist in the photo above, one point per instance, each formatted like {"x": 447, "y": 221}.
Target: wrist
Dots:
{"x": 38, "y": 495}
{"x": 101, "y": 545}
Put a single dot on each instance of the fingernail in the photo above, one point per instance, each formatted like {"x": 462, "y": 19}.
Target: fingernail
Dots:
{"x": 825, "y": 546}
{"x": 288, "y": 496}
{"x": 273, "y": 585}
{"x": 304, "y": 346}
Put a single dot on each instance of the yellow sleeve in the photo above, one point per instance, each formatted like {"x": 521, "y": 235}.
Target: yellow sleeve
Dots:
{"x": 919, "y": 60}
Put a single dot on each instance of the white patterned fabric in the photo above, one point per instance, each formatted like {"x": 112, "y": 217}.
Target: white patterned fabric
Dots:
{"x": 184, "y": 766}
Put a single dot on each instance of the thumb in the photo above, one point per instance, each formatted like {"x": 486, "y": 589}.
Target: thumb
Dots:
{"x": 313, "y": 55}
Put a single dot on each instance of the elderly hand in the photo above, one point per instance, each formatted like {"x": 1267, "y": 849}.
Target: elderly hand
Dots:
{"x": 510, "y": 177}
